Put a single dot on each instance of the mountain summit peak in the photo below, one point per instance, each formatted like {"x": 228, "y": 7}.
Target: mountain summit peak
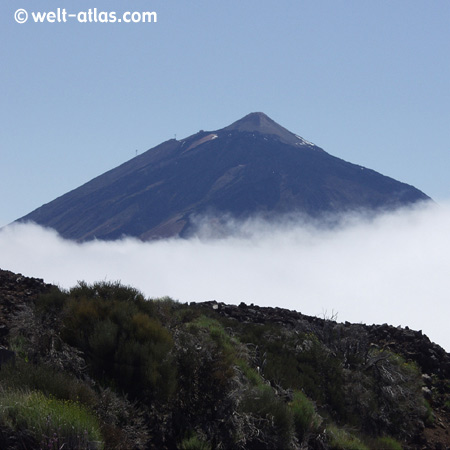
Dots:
{"x": 254, "y": 119}
{"x": 253, "y": 166}
{"x": 262, "y": 123}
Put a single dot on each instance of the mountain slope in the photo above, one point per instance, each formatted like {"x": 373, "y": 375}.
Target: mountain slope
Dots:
{"x": 251, "y": 166}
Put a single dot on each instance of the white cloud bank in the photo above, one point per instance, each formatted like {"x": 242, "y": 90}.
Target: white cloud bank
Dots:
{"x": 394, "y": 269}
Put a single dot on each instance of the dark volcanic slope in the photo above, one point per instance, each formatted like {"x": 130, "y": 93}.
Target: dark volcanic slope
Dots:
{"x": 251, "y": 166}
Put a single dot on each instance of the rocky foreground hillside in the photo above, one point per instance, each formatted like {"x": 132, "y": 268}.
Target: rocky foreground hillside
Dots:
{"x": 99, "y": 366}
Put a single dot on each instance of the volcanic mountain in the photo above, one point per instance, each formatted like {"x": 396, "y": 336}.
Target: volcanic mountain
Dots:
{"x": 253, "y": 166}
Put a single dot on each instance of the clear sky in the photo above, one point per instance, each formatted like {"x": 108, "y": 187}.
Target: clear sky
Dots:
{"x": 368, "y": 81}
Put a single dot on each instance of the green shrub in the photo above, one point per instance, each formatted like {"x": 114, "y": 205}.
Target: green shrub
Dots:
{"x": 429, "y": 415}
{"x": 262, "y": 402}
{"x": 225, "y": 347}
{"x": 250, "y": 373}
{"x": 125, "y": 346}
{"x": 80, "y": 320}
{"x": 388, "y": 443}
{"x": 51, "y": 302}
{"x": 145, "y": 328}
{"x": 305, "y": 417}
{"x": 54, "y": 423}
{"x": 106, "y": 291}
{"x": 195, "y": 443}
{"x": 397, "y": 385}
{"x": 51, "y": 382}
{"x": 166, "y": 309}
{"x": 104, "y": 337}
{"x": 212, "y": 325}
{"x": 339, "y": 439}
{"x": 121, "y": 422}
{"x": 312, "y": 369}
{"x": 185, "y": 314}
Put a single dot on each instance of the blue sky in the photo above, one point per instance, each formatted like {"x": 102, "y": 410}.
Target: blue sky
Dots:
{"x": 368, "y": 81}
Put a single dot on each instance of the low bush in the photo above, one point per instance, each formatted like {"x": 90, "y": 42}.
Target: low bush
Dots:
{"x": 107, "y": 291}
{"x": 297, "y": 361}
{"x": 51, "y": 382}
{"x": 52, "y": 301}
{"x": 262, "y": 403}
{"x": 194, "y": 443}
{"x": 124, "y": 424}
{"x": 397, "y": 384}
{"x": 306, "y": 419}
{"x": 225, "y": 347}
{"x": 53, "y": 423}
{"x": 388, "y": 443}
{"x": 126, "y": 346}
{"x": 339, "y": 439}
{"x": 250, "y": 373}
{"x": 428, "y": 415}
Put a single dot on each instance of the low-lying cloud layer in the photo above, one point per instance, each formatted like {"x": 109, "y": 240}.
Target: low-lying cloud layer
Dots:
{"x": 394, "y": 268}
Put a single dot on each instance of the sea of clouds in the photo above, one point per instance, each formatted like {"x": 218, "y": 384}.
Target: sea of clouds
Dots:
{"x": 394, "y": 268}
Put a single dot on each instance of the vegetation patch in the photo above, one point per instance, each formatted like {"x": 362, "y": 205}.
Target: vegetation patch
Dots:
{"x": 126, "y": 344}
{"x": 388, "y": 443}
{"x": 53, "y": 423}
{"x": 195, "y": 442}
{"x": 340, "y": 439}
{"x": 101, "y": 366}
{"x": 306, "y": 419}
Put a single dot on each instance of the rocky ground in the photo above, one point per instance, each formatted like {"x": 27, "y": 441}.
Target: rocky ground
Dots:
{"x": 16, "y": 291}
